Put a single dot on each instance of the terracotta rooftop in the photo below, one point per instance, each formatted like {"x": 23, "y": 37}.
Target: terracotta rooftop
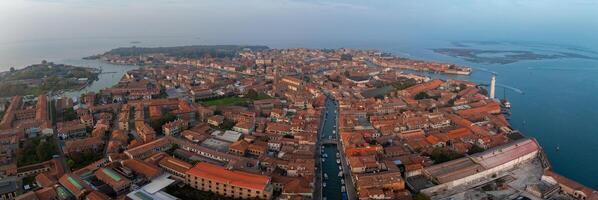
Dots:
{"x": 232, "y": 177}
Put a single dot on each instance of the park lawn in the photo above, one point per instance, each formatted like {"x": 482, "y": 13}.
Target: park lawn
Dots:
{"x": 227, "y": 101}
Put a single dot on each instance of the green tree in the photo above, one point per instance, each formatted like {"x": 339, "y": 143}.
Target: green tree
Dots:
{"x": 252, "y": 94}
{"x": 422, "y": 95}
{"x": 69, "y": 114}
{"x": 440, "y": 155}
{"x": 421, "y": 196}
{"x": 475, "y": 149}
{"x": 158, "y": 123}
{"x": 346, "y": 56}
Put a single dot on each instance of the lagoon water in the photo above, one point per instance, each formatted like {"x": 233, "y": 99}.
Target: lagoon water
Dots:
{"x": 555, "y": 101}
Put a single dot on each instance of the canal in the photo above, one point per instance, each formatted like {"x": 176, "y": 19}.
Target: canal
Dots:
{"x": 333, "y": 184}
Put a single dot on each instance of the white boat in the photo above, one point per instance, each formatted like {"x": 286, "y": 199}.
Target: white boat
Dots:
{"x": 325, "y": 176}
{"x": 325, "y": 155}
{"x": 343, "y": 189}
{"x": 338, "y": 154}
{"x": 338, "y": 161}
{"x": 343, "y": 181}
{"x": 324, "y": 184}
{"x": 323, "y": 159}
{"x": 340, "y": 168}
{"x": 333, "y": 131}
{"x": 340, "y": 174}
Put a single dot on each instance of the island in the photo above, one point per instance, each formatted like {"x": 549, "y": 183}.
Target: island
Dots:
{"x": 267, "y": 123}
{"x": 484, "y": 56}
{"x": 194, "y": 55}
{"x": 45, "y": 77}
{"x": 156, "y": 55}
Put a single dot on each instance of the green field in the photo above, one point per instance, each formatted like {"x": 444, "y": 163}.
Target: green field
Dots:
{"x": 228, "y": 101}
{"x": 251, "y": 96}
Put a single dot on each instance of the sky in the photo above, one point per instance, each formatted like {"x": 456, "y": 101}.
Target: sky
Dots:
{"x": 569, "y": 22}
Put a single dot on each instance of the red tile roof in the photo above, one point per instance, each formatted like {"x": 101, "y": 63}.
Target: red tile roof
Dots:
{"x": 232, "y": 177}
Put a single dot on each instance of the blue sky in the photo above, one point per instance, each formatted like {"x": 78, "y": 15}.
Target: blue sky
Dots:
{"x": 570, "y": 22}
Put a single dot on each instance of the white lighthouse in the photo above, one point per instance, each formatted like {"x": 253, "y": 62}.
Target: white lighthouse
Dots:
{"x": 492, "y": 86}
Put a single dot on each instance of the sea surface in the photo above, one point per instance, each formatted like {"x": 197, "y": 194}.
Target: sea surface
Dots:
{"x": 553, "y": 100}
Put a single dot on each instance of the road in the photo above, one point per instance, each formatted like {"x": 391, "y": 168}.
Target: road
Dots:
{"x": 60, "y": 143}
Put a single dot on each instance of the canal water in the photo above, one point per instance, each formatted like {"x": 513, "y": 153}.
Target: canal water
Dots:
{"x": 109, "y": 77}
{"x": 332, "y": 191}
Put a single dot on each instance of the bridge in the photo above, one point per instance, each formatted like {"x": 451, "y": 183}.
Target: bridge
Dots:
{"x": 328, "y": 141}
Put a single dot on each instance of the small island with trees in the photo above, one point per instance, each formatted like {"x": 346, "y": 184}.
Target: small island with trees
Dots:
{"x": 45, "y": 77}
{"x": 156, "y": 55}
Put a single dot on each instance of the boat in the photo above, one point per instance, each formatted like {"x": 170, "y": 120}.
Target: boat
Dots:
{"x": 340, "y": 174}
{"x": 338, "y": 154}
{"x": 558, "y": 148}
{"x": 333, "y": 131}
{"x": 338, "y": 161}
{"x": 323, "y": 159}
{"x": 340, "y": 168}
{"x": 343, "y": 189}
{"x": 506, "y": 104}
{"x": 325, "y": 155}
{"x": 343, "y": 181}
{"x": 324, "y": 184}
{"x": 325, "y": 176}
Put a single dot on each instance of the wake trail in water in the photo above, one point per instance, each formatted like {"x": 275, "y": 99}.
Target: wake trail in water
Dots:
{"x": 511, "y": 88}
{"x": 484, "y": 70}
{"x": 562, "y": 68}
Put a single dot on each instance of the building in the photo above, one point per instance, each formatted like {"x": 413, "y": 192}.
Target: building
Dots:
{"x": 145, "y": 131}
{"x": 492, "y": 86}
{"x": 75, "y": 185}
{"x": 229, "y": 183}
{"x": 117, "y": 182}
{"x": 175, "y": 127}
{"x": 143, "y": 168}
{"x": 490, "y": 163}
{"x": 8, "y": 189}
{"x": 92, "y": 144}
{"x": 373, "y": 186}
{"x": 146, "y": 150}
{"x": 229, "y": 136}
{"x": 215, "y": 120}
{"x": 71, "y": 129}
{"x": 176, "y": 167}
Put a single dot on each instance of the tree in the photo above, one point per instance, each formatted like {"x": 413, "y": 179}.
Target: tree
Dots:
{"x": 421, "y": 196}
{"x": 475, "y": 149}
{"x": 346, "y": 57}
{"x": 440, "y": 155}
{"x": 69, "y": 114}
{"x": 157, "y": 124}
{"x": 421, "y": 95}
{"x": 373, "y": 142}
{"x": 227, "y": 124}
{"x": 252, "y": 94}
{"x": 288, "y": 136}
{"x": 12, "y": 70}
